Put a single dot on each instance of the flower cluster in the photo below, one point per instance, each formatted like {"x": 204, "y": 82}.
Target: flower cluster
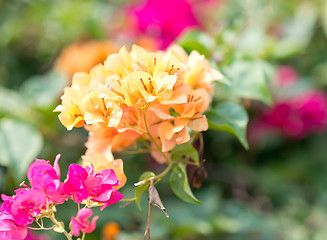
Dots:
{"x": 83, "y": 185}
{"x": 134, "y": 95}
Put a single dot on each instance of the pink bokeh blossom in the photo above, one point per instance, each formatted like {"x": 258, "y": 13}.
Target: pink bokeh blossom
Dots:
{"x": 295, "y": 117}
{"x": 163, "y": 20}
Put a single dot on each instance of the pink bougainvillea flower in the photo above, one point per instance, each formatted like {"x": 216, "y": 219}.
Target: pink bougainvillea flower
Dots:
{"x": 300, "y": 115}
{"x": 81, "y": 222}
{"x": 26, "y": 204}
{"x": 286, "y": 76}
{"x": 46, "y": 178}
{"x": 295, "y": 117}
{"x": 74, "y": 185}
{"x": 9, "y": 230}
{"x": 100, "y": 162}
{"x": 157, "y": 19}
{"x": 108, "y": 197}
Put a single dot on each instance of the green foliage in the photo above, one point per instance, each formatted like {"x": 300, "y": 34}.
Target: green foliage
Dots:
{"x": 179, "y": 184}
{"x": 142, "y": 188}
{"x": 229, "y": 117}
{"x": 184, "y": 151}
{"x": 197, "y": 40}
{"x": 42, "y": 91}
{"x": 20, "y": 143}
{"x": 13, "y": 104}
{"x": 248, "y": 80}
{"x": 297, "y": 31}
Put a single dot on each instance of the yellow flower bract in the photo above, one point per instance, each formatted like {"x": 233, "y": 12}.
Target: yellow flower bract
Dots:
{"x": 169, "y": 87}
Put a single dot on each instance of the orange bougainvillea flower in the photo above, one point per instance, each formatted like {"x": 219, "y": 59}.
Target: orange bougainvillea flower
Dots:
{"x": 105, "y": 139}
{"x": 82, "y": 56}
{"x": 170, "y": 123}
{"x": 110, "y": 231}
{"x": 159, "y": 96}
{"x": 71, "y": 115}
{"x": 199, "y": 73}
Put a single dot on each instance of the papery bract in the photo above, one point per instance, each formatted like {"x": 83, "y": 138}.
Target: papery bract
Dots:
{"x": 44, "y": 177}
{"x": 74, "y": 185}
{"x": 81, "y": 222}
{"x": 9, "y": 230}
{"x": 26, "y": 204}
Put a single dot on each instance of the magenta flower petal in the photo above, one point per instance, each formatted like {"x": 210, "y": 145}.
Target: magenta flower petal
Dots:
{"x": 108, "y": 176}
{"x": 26, "y": 203}
{"x": 81, "y": 222}
{"x": 56, "y": 165}
{"x": 115, "y": 196}
{"x": 76, "y": 171}
{"x": 76, "y": 226}
{"x": 9, "y": 230}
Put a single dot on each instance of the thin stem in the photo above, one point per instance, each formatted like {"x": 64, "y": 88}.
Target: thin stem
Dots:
{"x": 41, "y": 221}
{"x": 135, "y": 128}
{"x": 43, "y": 228}
{"x": 128, "y": 200}
{"x": 55, "y": 221}
{"x": 157, "y": 178}
{"x": 83, "y": 236}
{"x": 137, "y": 151}
{"x": 147, "y": 230}
{"x": 152, "y": 139}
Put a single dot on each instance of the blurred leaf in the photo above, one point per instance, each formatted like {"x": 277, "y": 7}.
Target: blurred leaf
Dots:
{"x": 196, "y": 40}
{"x": 142, "y": 188}
{"x": 179, "y": 184}
{"x": 248, "y": 80}
{"x": 185, "y": 150}
{"x": 297, "y": 32}
{"x": 14, "y": 104}
{"x": 320, "y": 73}
{"x": 20, "y": 143}
{"x": 44, "y": 90}
{"x": 231, "y": 118}
{"x": 324, "y": 16}
{"x": 223, "y": 80}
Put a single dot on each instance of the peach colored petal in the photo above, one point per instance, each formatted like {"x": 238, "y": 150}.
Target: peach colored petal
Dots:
{"x": 199, "y": 123}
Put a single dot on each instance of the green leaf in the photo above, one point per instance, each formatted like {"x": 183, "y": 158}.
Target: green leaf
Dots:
{"x": 248, "y": 80}
{"x": 20, "y": 143}
{"x": 12, "y": 103}
{"x": 185, "y": 150}
{"x": 297, "y": 32}
{"x": 44, "y": 90}
{"x": 142, "y": 188}
{"x": 324, "y": 17}
{"x": 231, "y": 118}
{"x": 179, "y": 184}
{"x": 196, "y": 40}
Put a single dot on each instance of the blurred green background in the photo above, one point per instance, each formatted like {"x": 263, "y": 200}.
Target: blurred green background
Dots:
{"x": 274, "y": 190}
